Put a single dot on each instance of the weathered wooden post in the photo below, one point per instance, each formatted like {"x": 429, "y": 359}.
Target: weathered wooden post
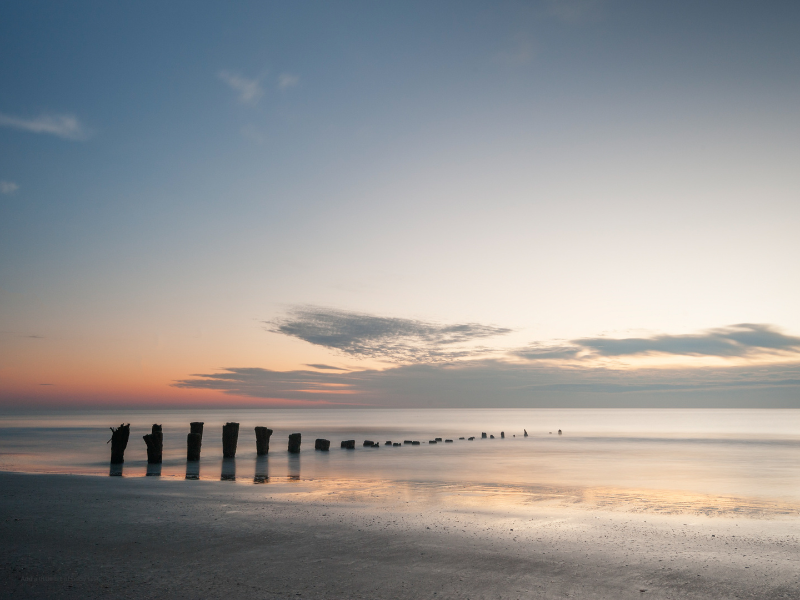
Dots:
{"x": 262, "y": 440}
{"x": 502, "y": 435}
{"x": 155, "y": 444}
{"x": 323, "y": 445}
{"x": 230, "y": 437}
{"x": 483, "y": 435}
{"x": 294, "y": 443}
{"x": 119, "y": 441}
{"x": 559, "y": 432}
{"x": 194, "y": 440}
{"x": 193, "y": 443}
{"x": 349, "y": 444}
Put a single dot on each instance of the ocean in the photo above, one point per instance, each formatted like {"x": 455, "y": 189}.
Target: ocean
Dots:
{"x": 740, "y": 457}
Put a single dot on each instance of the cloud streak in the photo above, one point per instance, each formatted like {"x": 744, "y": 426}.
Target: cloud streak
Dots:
{"x": 64, "y": 126}
{"x": 8, "y": 187}
{"x": 494, "y": 383}
{"x": 735, "y": 341}
{"x": 385, "y": 338}
{"x": 249, "y": 90}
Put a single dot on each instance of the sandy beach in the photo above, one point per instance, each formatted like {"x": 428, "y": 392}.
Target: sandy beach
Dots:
{"x": 92, "y": 537}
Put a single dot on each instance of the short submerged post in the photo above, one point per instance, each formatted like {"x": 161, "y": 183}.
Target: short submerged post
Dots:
{"x": 119, "y": 441}
{"x": 155, "y": 445}
{"x": 262, "y": 440}
{"x": 323, "y": 445}
{"x": 294, "y": 443}
{"x": 349, "y": 444}
{"x": 230, "y": 437}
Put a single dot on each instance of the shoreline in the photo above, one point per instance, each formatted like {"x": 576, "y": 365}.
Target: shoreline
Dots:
{"x": 88, "y": 536}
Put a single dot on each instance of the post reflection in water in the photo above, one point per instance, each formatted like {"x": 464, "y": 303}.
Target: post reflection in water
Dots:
{"x": 154, "y": 469}
{"x": 193, "y": 469}
{"x": 262, "y": 470}
{"x": 228, "y": 469}
{"x": 294, "y": 466}
{"x": 115, "y": 470}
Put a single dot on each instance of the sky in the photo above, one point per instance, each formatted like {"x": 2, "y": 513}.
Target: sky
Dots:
{"x": 410, "y": 204}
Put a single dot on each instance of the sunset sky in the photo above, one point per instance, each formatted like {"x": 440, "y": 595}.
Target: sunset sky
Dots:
{"x": 553, "y": 203}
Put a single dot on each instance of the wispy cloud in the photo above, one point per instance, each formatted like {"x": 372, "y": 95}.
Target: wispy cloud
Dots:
{"x": 63, "y": 126}
{"x": 8, "y": 187}
{"x": 494, "y": 383}
{"x": 249, "y": 90}
{"x": 287, "y": 80}
{"x": 325, "y": 367}
{"x": 735, "y": 341}
{"x": 386, "y": 338}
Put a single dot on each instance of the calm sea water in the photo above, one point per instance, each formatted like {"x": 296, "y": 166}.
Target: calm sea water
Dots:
{"x": 745, "y": 453}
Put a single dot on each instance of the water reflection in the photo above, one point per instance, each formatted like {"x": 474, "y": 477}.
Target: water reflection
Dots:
{"x": 262, "y": 470}
{"x": 192, "y": 469}
{"x": 294, "y": 466}
{"x": 228, "y": 469}
{"x": 115, "y": 470}
{"x": 154, "y": 469}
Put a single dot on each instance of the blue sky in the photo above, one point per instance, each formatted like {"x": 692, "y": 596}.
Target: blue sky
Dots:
{"x": 176, "y": 180}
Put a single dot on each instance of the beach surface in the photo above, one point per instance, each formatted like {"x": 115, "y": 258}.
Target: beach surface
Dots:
{"x": 67, "y": 536}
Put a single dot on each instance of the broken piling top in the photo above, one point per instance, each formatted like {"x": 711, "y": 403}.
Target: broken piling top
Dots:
{"x": 321, "y": 444}
{"x": 193, "y": 443}
{"x": 526, "y": 432}
{"x": 119, "y": 441}
{"x": 155, "y": 443}
{"x": 294, "y": 443}
{"x": 230, "y": 437}
{"x": 196, "y": 427}
{"x": 262, "y": 440}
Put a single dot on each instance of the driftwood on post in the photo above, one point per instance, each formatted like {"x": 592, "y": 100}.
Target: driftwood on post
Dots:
{"x": 294, "y": 443}
{"x": 230, "y": 436}
{"x": 155, "y": 444}
{"x": 323, "y": 445}
{"x": 193, "y": 443}
{"x": 262, "y": 440}
{"x": 119, "y": 441}
{"x": 196, "y": 427}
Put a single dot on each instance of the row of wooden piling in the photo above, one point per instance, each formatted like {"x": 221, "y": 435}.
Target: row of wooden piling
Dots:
{"x": 230, "y": 437}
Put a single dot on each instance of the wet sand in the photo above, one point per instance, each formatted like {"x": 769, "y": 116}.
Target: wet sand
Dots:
{"x": 93, "y": 537}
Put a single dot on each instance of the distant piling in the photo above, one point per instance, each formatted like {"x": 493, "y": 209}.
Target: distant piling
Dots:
{"x": 323, "y": 445}
{"x": 448, "y": 441}
{"x": 119, "y": 441}
{"x": 349, "y": 444}
{"x": 415, "y": 443}
{"x": 471, "y": 438}
{"x": 368, "y": 443}
{"x": 559, "y": 432}
{"x": 155, "y": 445}
{"x": 526, "y": 432}
{"x": 491, "y": 437}
{"x": 387, "y": 443}
{"x": 483, "y": 435}
{"x": 396, "y": 444}
{"x": 502, "y": 435}
{"x": 262, "y": 440}
{"x": 230, "y": 437}
{"x": 294, "y": 443}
